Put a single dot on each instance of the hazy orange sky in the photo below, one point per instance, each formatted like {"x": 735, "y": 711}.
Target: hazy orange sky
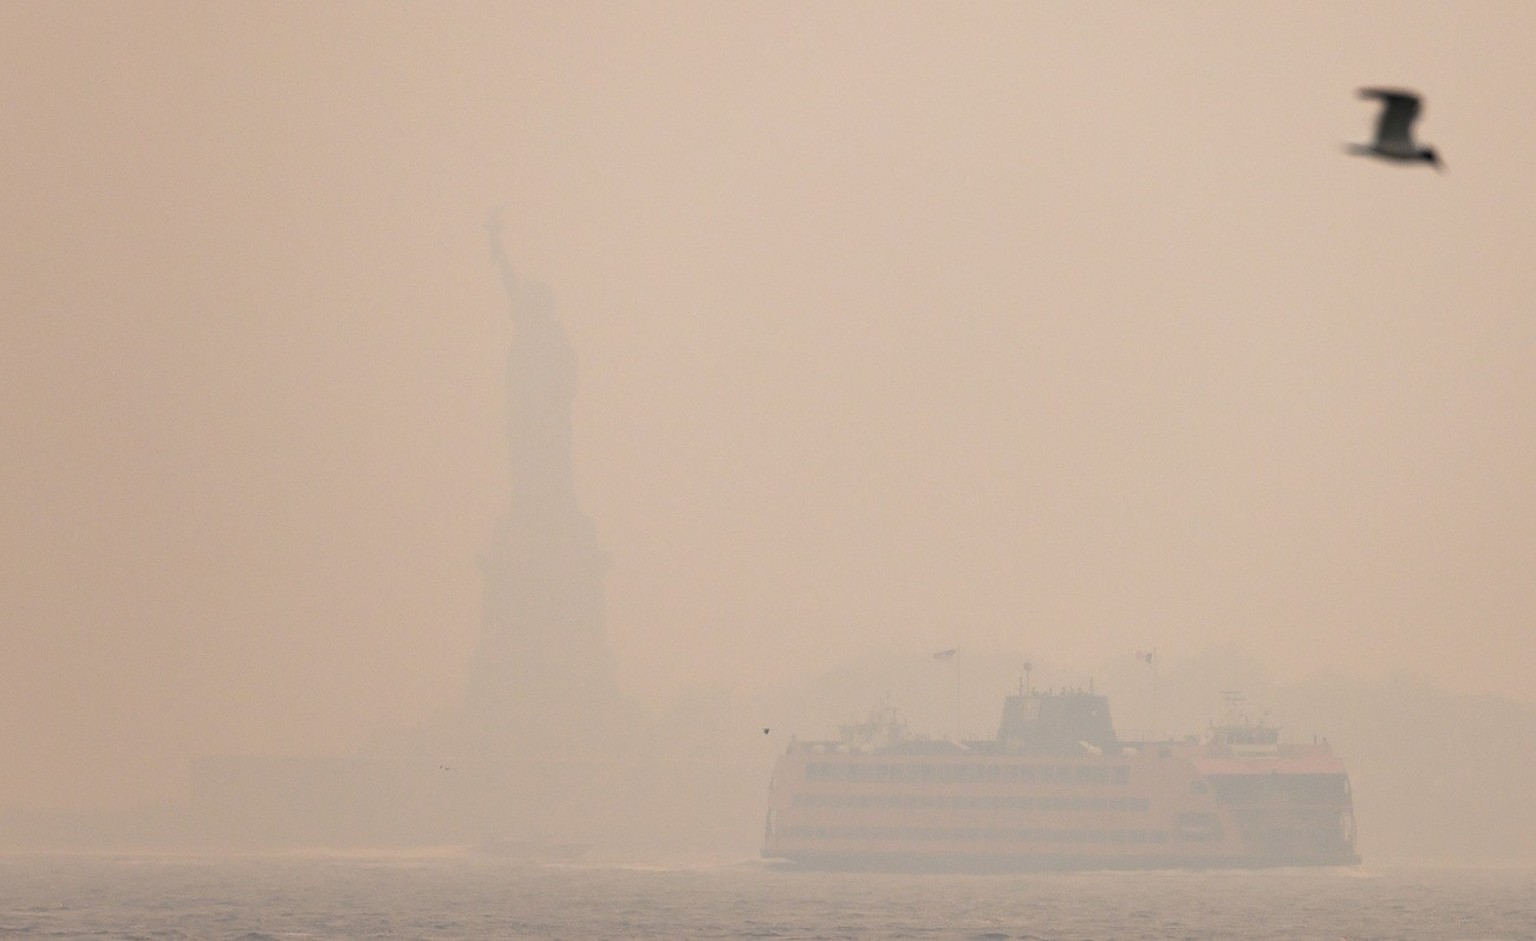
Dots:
{"x": 1065, "y": 328}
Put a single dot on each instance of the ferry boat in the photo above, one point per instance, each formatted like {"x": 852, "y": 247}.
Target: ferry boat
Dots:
{"x": 1057, "y": 790}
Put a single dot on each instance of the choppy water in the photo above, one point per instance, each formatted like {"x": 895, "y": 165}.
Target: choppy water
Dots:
{"x": 281, "y": 898}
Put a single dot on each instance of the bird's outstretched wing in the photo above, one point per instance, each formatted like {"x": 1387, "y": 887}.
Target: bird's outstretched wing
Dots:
{"x": 1399, "y": 108}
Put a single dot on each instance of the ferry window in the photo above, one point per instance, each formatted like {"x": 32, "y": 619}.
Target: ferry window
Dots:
{"x": 1122, "y": 774}
{"x": 1309, "y": 788}
{"x": 1238, "y": 788}
{"x": 1197, "y": 827}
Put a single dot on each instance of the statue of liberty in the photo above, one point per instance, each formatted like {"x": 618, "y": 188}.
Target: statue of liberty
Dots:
{"x": 541, "y": 387}
{"x": 542, "y": 679}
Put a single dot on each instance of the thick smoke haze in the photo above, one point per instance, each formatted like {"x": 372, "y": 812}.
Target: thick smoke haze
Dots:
{"x": 1059, "y": 330}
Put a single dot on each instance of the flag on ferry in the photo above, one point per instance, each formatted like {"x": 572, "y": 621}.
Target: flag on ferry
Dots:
{"x": 946, "y": 654}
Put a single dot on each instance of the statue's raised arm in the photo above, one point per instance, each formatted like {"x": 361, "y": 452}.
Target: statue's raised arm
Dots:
{"x": 515, "y": 290}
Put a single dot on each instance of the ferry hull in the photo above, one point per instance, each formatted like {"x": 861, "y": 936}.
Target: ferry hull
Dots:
{"x": 1034, "y": 799}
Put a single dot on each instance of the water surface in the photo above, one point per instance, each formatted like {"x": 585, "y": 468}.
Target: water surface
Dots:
{"x": 470, "y": 898}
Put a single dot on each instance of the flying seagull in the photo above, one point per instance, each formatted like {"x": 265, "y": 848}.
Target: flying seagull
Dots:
{"x": 1394, "y": 131}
